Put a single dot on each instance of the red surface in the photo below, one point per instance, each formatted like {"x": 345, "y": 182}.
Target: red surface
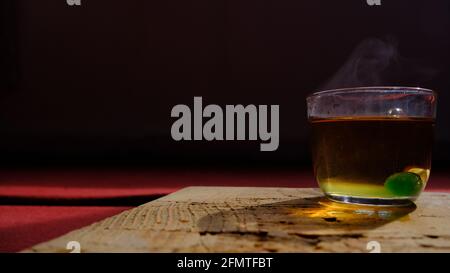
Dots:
{"x": 24, "y": 226}
{"x": 107, "y": 184}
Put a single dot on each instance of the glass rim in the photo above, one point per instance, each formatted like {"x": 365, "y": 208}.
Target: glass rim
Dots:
{"x": 376, "y": 89}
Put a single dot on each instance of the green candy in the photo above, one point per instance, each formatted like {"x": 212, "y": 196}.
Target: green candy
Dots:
{"x": 404, "y": 184}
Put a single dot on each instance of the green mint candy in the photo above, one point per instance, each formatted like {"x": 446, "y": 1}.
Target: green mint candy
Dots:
{"x": 404, "y": 184}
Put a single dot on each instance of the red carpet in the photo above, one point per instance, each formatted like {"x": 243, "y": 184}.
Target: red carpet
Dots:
{"x": 114, "y": 184}
{"x": 23, "y": 226}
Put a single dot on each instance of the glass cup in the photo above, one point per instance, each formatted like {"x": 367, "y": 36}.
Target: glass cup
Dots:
{"x": 372, "y": 145}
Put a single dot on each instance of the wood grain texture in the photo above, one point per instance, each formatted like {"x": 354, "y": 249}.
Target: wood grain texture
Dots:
{"x": 243, "y": 219}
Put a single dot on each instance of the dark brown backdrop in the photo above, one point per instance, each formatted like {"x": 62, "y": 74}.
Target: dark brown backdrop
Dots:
{"x": 96, "y": 83}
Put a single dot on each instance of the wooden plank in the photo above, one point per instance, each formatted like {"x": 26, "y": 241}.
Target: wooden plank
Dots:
{"x": 244, "y": 219}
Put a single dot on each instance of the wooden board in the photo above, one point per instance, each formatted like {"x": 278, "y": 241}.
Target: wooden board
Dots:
{"x": 244, "y": 219}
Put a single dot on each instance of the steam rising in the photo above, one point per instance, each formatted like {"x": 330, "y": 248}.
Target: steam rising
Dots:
{"x": 377, "y": 62}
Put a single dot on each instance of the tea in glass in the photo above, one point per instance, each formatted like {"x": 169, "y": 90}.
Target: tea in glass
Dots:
{"x": 372, "y": 145}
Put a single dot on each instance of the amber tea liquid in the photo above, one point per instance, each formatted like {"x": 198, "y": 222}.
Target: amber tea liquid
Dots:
{"x": 372, "y": 158}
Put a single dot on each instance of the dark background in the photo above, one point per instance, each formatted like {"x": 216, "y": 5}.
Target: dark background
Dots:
{"x": 95, "y": 84}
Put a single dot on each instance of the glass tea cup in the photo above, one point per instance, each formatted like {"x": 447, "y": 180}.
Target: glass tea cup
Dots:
{"x": 372, "y": 145}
